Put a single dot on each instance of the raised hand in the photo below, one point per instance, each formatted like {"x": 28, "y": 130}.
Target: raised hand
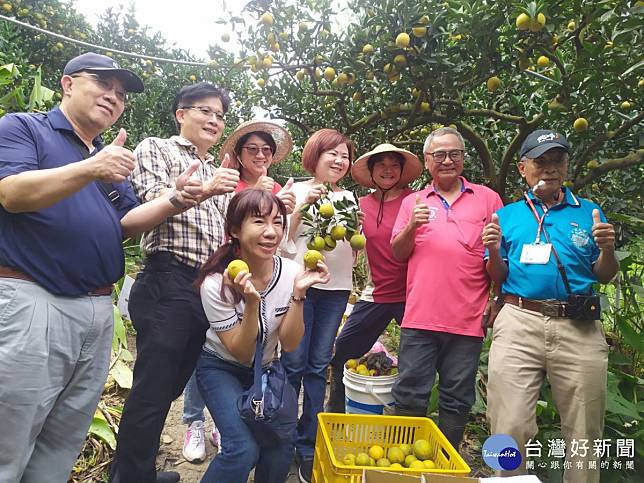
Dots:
{"x": 188, "y": 188}
{"x": 315, "y": 193}
{"x": 603, "y": 233}
{"x": 113, "y": 163}
{"x": 225, "y": 179}
{"x": 309, "y": 277}
{"x": 243, "y": 285}
{"x": 491, "y": 235}
{"x": 265, "y": 182}
{"x": 287, "y": 195}
{"x": 420, "y": 213}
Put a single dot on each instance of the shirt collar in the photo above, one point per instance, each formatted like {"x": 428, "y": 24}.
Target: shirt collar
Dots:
{"x": 569, "y": 197}
{"x": 181, "y": 141}
{"x": 465, "y": 186}
{"x": 59, "y": 121}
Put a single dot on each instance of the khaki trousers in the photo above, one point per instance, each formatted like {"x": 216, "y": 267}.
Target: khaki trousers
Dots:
{"x": 573, "y": 355}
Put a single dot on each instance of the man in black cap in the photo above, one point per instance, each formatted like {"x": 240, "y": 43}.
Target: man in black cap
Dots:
{"x": 546, "y": 251}
{"x": 65, "y": 207}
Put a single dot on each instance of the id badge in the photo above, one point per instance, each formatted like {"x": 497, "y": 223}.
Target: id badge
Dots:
{"x": 535, "y": 253}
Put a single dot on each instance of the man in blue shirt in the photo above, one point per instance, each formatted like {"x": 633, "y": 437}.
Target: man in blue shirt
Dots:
{"x": 546, "y": 251}
{"x": 65, "y": 207}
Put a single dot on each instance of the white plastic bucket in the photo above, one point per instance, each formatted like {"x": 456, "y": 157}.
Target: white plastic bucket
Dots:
{"x": 367, "y": 394}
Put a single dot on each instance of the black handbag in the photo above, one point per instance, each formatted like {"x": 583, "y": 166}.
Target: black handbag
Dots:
{"x": 269, "y": 407}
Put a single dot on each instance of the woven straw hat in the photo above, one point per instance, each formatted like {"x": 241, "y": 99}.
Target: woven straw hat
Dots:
{"x": 411, "y": 170}
{"x": 280, "y": 135}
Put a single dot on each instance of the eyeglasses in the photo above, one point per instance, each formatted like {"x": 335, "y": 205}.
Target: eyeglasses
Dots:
{"x": 253, "y": 150}
{"x": 455, "y": 155}
{"x": 105, "y": 84}
{"x": 207, "y": 112}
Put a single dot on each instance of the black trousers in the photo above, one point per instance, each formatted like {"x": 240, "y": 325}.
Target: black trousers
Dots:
{"x": 171, "y": 327}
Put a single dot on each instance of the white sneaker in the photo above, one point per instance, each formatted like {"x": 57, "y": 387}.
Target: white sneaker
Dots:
{"x": 215, "y": 437}
{"x": 194, "y": 445}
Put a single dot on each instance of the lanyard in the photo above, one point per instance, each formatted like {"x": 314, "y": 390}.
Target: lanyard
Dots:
{"x": 537, "y": 217}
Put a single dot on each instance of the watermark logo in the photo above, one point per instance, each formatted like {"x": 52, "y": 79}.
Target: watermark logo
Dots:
{"x": 501, "y": 452}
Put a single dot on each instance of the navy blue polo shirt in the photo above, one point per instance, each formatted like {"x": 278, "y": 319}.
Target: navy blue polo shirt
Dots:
{"x": 569, "y": 225}
{"x": 74, "y": 246}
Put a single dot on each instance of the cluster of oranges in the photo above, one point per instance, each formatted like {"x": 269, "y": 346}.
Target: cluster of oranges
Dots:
{"x": 416, "y": 456}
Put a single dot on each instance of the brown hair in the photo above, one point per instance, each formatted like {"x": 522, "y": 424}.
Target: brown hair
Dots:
{"x": 321, "y": 141}
{"x": 249, "y": 202}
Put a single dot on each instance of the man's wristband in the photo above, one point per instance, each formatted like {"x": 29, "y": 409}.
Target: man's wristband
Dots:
{"x": 174, "y": 201}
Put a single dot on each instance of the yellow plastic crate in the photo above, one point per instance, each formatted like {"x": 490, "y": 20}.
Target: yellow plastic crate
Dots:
{"x": 340, "y": 434}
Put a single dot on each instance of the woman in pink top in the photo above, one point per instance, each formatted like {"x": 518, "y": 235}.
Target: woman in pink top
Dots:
{"x": 389, "y": 170}
{"x": 253, "y": 147}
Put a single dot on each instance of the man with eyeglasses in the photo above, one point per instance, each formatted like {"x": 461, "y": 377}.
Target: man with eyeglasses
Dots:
{"x": 547, "y": 251}
{"x": 164, "y": 305}
{"x": 438, "y": 232}
{"x": 65, "y": 207}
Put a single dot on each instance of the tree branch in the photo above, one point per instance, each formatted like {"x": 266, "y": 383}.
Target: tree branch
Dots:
{"x": 632, "y": 159}
{"x": 482, "y": 150}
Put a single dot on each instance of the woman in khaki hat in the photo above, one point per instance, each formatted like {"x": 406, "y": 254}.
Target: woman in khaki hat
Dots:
{"x": 253, "y": 147}
{"x": 388, "y": 170}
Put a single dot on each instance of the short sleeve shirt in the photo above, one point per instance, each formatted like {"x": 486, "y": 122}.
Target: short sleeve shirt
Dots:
{"x": 339, "y": 260}
{"x": 447, "y": 284}
{"x": 224, "y": 315}
{"x": 569, "y": 225}
{"x": 387, "y": 275}
{"x": 75, "y": 245}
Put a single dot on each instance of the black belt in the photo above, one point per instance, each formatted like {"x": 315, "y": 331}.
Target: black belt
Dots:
{"x": 166, "y": 260}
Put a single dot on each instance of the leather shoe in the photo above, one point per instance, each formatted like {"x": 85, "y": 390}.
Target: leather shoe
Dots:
{"x": 168, "y": 477}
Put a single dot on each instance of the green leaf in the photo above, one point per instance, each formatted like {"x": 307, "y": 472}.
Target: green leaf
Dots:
{"x": 102, "y": 430}
{"x": 122, "y": 374}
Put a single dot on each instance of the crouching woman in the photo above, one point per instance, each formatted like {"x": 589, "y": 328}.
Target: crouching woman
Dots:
{"x": 267, "y": 300}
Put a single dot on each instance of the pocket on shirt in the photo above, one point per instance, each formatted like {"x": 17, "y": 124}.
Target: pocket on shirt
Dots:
{"x": 470, "y": 235}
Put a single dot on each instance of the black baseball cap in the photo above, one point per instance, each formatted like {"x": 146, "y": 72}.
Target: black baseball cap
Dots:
{"x": 542, "y": 140}
{"x": 92, "y": 62}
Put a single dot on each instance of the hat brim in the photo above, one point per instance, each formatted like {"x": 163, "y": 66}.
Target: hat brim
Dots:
{"x": 280, "y": 135}
{"x": 130, "y": 80}
{"x": 412, "y": 169}
{"x": 539, "y": 150}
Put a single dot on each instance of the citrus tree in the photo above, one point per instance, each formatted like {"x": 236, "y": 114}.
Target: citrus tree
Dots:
{"x": 391, "y": 70}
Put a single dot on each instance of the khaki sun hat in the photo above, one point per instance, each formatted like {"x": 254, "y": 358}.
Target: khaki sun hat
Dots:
{"x": 280, "y": 135}
{"x": 411, "y": 169}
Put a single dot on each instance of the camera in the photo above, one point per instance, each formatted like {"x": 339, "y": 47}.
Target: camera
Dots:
{"x": 583, "y": 307}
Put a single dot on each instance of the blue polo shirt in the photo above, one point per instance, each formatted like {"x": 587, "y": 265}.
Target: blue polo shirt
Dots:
{"x": 569, "y": 225}
{"x": 75, "y": 245}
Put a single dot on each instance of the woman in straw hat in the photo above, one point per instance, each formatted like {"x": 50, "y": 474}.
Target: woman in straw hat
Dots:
{"x": 327, "y": 156}
{"x": 388, "y": 170}
{"x": 253, "y": 147}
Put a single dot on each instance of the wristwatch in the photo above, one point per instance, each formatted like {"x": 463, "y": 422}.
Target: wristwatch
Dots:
{"x": 175, "y": 201}
{"x": 498, "y": 300}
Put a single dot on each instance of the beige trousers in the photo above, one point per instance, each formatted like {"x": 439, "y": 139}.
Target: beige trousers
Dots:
{"x": 573, "y": 355}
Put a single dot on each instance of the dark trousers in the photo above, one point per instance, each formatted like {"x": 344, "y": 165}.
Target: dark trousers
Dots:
{"x": 171, "y": 326}
{"x": 425, "y": 352}
{"x": 363, "y": 327}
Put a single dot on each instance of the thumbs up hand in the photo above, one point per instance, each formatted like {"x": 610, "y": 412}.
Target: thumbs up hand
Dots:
{"x": 603, "y": 233}
{"x": 491, "y": 235}
{"x": 113, "y": 163}
{"x": 225, "y": 179}
{"x": 188, "y": 188}
{"x": 265, "y": 182}
{"x": 420, "y": 214}
{"x": 287, "y": 195}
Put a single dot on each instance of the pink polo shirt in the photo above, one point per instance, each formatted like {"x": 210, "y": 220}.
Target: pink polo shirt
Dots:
{"x": 447, "y": 284}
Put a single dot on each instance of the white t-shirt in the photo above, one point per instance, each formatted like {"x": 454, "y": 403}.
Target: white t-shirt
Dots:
{"x": 223, "y": 315}
{"x": 339, "y": 261}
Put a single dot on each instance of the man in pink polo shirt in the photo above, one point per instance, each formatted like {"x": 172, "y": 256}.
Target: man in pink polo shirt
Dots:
{"x": 438, "y": 231}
